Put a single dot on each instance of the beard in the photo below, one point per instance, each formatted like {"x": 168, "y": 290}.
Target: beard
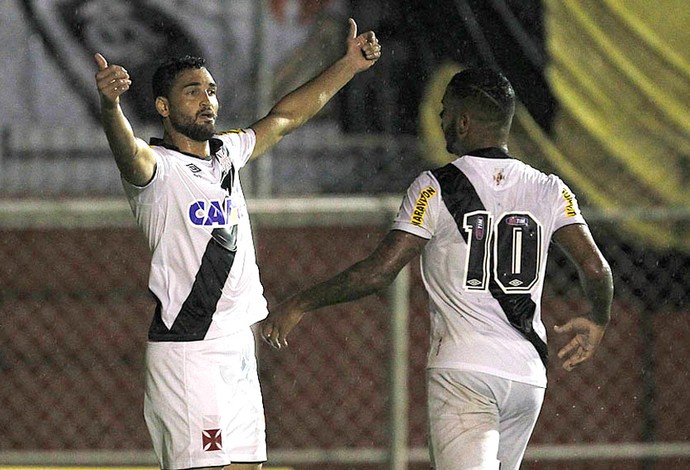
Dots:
{"x": 452, "y": 144}
{"x": 197, "y": 132}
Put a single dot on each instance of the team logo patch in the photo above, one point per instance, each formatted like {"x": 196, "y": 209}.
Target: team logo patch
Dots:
{"x": 212, "y": 440}
{"x": 224, "y": 160}
{"x": 570, "y": 208}
{"x": 421, "y": 206}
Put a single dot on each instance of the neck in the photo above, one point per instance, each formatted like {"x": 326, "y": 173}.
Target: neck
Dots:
{"x": 187, "y": 145}
{"x": 483, "y": 144}
{"x": 483, "y": 136}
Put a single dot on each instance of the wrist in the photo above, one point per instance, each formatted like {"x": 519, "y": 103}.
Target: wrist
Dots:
{"x": 293, "y": 306}
{"x": 600, "y": 320}
{"x": 109, "y": 105}
{"x": 348, "y": 66}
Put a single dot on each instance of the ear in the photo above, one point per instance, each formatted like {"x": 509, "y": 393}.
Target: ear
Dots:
{"x": 462, "y": 124}
{"x": 163, "y": 106}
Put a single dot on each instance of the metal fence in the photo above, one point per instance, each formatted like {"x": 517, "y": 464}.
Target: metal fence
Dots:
{"x": 317, "y": 159}
{"x": 349, "y": 392}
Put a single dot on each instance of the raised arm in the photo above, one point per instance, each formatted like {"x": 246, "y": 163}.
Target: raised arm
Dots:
{"x": 134, "y": 158}
{"x": 299, "y": 106}
{"x": 597, "y": 282}
{"x": 367, "y": 276}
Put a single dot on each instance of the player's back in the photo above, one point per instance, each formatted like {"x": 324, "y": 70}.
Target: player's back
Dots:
{"x": 489, "y": 219}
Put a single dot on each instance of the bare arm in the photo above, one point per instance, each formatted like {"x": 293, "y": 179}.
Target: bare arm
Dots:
{"x": 134, "y": 158}
{"x": 299, "y": 106}
{"x": 367, "y": 276}
{"x": 597, "y": 282}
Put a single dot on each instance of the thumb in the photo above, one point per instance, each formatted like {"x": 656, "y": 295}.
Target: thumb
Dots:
{"x": 563, "y": 328}
{"x": 100, "y": 60}
{"x": 353, "y": 28}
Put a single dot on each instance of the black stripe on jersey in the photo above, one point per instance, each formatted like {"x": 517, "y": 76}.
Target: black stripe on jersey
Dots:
{"x": 194, "y": 319}
{"x": 228, "y": 180}
{"x": 460, "y": 198}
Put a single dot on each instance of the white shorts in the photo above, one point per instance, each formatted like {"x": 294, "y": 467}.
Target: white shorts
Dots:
{"x": 479, "y": 421}
{"x": 203, "y": 404}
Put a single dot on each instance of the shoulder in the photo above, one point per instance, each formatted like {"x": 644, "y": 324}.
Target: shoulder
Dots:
{"x": 239, "y": 145}
{"x": 537, "y": 177}
{"x": 425, "y": 182}
{"x": 236, "y": 137}
{"x": 532, "y": 172}
{"x": 455, "y": 177}
{"x": 165, "y": 158}
{"x": 556, "y": 184}
{"x": 163, "y": 153}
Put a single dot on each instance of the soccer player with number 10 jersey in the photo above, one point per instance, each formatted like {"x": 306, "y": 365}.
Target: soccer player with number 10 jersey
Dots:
{"x": 482, "y": 225}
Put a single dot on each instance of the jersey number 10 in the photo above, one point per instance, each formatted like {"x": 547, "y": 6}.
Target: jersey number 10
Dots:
{"x": 509, "y": 249}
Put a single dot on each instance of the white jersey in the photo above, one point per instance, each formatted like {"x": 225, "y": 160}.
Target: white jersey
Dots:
{"x": 489, "y": 219}
{"x": 203, "y": 268}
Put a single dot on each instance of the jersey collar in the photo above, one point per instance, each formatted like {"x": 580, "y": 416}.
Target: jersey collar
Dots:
{"x": 489, "y": 152}
{"x": 214, "y": 145}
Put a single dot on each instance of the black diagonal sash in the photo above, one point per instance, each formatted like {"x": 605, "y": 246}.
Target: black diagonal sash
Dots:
{"x": 460, "y": 198}
{"x": 196, "y": 313}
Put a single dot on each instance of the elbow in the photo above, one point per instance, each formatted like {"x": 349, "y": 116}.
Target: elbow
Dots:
{"x": 284, "y": 121}
{"x": 597, "y": 281}
{"x": 597, "y": 269}
{"x": 382, "y": 280}
{"x": 373, "y": 281}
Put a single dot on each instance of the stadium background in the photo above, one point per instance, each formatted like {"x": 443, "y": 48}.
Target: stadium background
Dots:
{"x": 605, "y": 88}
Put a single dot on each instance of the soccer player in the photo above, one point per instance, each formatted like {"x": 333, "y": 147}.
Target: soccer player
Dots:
{"x": 483, "y": 225}
{"x": 203, "y": 404}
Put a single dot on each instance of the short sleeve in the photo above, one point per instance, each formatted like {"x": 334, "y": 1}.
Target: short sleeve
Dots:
{"x": 240, "y": 144}
{"x": 419, "y": 209}
{"x": 567, "y": 210}
{"x": 147, "y": 193}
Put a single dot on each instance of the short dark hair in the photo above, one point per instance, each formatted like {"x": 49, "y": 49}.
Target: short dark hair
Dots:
{"x": 167, "y": 71}
{"x": 487, "y": 91}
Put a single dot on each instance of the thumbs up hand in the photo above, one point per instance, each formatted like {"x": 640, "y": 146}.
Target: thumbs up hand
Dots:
{"x": 364, "y": 48}
{"x": 111, "y": 80}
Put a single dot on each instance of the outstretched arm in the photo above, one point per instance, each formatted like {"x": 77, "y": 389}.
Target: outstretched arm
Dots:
{"x": 597, "y": 282}
{"x": 367, "y": 276}
{"x": 299, "y": 106}
{"x": 133, "y": 156}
